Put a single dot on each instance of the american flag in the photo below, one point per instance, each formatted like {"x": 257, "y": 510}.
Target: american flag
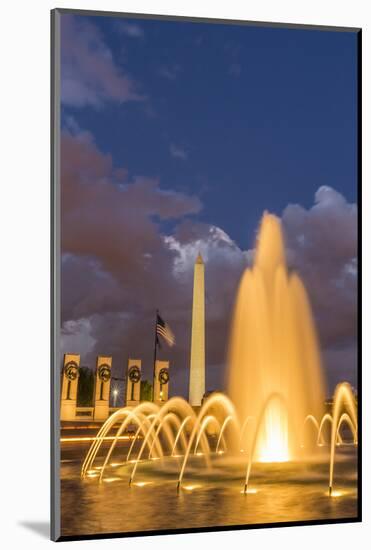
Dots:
{"x": 163, "y": 329}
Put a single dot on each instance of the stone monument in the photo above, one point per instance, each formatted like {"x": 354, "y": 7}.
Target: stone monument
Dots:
{"x": 161, "y": 382}
{"x": 102, "y": 387}
{"x": 133, "y": 377}
{"x": 70, "y": 377}
{"x": 197, "y": 367}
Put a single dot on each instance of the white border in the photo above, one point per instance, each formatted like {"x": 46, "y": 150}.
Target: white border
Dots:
{"x": 25, "y": 69}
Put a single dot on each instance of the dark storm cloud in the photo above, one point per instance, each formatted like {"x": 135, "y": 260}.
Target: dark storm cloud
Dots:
{"x": 110, "y": 232}
{"x": 89, "y": 73}
{"x": 118, "y": 267}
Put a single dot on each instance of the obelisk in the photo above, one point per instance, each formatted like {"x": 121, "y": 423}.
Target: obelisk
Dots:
{"x": 197, "y": 368}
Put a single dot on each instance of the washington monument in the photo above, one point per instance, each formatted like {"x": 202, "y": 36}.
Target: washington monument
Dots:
{"x": 197, "y": 368}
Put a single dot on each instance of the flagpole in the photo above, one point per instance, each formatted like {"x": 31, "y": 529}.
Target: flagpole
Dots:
{"x": 154, "y": 359}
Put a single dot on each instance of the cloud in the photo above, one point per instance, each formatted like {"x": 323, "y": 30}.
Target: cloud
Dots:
{"x": 192, "y": 238}
{"x": 233, "y": 51}
{"x": 235, "y": 69}
{"x": 113, "y": 225}
{"x": 322, "y": 246}
{"x": 76, "y": 336}
{"x": 170, "y": 72}
{"x": 89, "y": 74}
{"x": 133, "y": 30}
{"x": 178, "y": 152}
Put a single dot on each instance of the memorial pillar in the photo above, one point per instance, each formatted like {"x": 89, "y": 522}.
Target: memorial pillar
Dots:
{"x": 162, "y": 377}
{"x": 70, "y": 377}
{"x": 133, "y": 376}
{"x": 102, "y": 387}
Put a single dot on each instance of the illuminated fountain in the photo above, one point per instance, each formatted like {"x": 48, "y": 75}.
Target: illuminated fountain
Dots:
{"x": 274, "y": 365}
{"x": 275, "y": 408}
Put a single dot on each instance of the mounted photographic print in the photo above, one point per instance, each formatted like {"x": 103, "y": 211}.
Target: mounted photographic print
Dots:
{"x": 205, "y": 357}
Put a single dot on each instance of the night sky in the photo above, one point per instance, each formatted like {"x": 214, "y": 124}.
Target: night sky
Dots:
{"x": 176, "y": 137}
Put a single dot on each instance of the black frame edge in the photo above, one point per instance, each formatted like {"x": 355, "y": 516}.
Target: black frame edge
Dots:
{"x": 214, "y": 529}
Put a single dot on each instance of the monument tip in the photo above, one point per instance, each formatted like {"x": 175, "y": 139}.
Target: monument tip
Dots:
{"x": 199, "y": 259}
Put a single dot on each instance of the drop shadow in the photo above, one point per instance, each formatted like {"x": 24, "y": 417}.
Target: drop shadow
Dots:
{"x": 41, "y": 528}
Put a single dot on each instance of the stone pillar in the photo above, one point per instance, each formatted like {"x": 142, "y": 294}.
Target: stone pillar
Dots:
{"x": 161, "y": 389}
{"x": 133, "y": 376}
{"x": 70, "y": 377}
{"x": 197, "y": 367}
{"x": 102, "y": 387}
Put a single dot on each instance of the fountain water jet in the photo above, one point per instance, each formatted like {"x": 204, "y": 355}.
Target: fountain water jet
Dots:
{"x": 180, "y": 433}
{"x": 146, "y": 420}
{"x": 343, "y": 398}
{"x": 210, "y": 419}
{"x": 271, "y": 448}
{"x": 170, "y": 417}
{"x": 182, "y": 407}
{"x": 313, "y": 420}
{"x": 229, "y": 419}
{"x": 345, "y": 419}
{"x": 273, "y": 350}
{"x": 215, "y": 400}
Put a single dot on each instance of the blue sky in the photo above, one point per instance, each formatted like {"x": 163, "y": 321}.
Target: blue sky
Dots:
{"x": 249, "y": 118}
{"x": 176, "y": 136}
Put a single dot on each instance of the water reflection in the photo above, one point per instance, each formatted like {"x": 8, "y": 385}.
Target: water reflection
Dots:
{"x": 279, "y": 492}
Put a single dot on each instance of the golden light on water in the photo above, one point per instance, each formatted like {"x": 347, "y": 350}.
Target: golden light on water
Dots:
{"x": 141, "y": 483}
{"x": 91, "y": 438}
{"x": 111, "y": 479}
{"x": 191, "y": 487}
{"x": 336, "y": 494}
